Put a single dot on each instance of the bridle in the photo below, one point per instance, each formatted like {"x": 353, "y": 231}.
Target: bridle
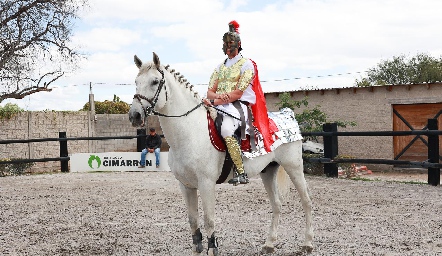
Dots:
{"x": 153, "y": 101}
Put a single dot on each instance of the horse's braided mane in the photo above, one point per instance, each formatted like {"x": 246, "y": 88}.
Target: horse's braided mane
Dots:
{"x": 180, "y": 78}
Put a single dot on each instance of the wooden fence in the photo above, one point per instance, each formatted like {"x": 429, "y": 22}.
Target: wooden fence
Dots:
{"x": 330, "y": 134}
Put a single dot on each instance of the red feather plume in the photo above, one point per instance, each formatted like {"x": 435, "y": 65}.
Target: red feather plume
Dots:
{"x": 235, "y": 25}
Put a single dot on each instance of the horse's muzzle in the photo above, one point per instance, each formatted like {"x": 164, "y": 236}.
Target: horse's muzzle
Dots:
{"x": 135, "y": 118}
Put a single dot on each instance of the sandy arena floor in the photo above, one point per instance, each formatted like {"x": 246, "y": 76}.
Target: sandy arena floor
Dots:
{"x": 144, "y": 214}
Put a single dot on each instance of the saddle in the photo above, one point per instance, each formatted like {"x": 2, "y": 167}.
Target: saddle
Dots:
{"x": 218, "y": 142}
{"x": 283, "y": 127}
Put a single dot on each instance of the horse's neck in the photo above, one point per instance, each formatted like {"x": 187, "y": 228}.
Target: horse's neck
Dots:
{"x": 186, "y": 131}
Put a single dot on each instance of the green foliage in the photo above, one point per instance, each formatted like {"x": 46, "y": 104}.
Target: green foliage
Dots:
{"x": 424, "y": 68}
{"x": 365, "y": 82}
{"x": 9, "y": 110}
{"x": 13, "y": 169}
{"x": 314, "y": 168}
{"x": 311, "y": 167}
{"x": 288, "y": 102}
{"x": 116, "y": 106}
{"x": 310, "y": 120}
{"x": 421, "y": 68}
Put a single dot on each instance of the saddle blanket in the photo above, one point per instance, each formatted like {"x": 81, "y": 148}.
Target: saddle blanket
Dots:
{"x": 283, "y": 123}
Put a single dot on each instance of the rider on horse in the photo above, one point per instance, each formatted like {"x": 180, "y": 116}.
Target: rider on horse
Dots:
{"x": 231, "y": 92}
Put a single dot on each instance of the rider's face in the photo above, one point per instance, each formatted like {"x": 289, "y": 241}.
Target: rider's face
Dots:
{"x": 230, "y": 47}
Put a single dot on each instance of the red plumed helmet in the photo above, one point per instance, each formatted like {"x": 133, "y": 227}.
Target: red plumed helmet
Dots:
{"x": 234, "y": 26}
{"x": 232, "y": 36}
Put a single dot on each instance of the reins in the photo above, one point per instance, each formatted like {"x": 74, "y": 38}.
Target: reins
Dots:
{"x": 153, "y": 101}
{"x": 225, "y": 113}
{"x": 185, "y": 114}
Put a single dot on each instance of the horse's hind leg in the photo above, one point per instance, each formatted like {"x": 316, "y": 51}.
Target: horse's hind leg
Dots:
{"x": 296, "y": 174}
{"x": 269, "y": 180}
{"x": 191, "y": 199}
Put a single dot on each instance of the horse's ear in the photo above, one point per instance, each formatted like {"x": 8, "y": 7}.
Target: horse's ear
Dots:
{"x": 137, "y": 61}
{"x": 156, "y": 59}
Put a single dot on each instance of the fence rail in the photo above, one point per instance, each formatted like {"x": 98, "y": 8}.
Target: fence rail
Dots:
{"x": 330, "y": 136}
{"x": 69, "y": 139}
{"x": 375, "y": 133}
{"x": 424, "y": 164}
{"x": 62, "y": 139}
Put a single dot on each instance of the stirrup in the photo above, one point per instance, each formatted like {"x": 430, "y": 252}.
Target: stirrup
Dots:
{"x": 239, "y": 179}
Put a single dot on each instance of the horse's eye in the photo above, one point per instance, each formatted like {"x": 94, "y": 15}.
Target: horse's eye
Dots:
{"x": 155, "y": 81}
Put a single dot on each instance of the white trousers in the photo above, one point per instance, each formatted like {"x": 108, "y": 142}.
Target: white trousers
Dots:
{"x": 230, "y": 124}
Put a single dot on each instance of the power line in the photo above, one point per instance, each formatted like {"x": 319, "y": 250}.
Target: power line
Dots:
{"x": 306, "y": 77}
{"x": 262, "y": 81}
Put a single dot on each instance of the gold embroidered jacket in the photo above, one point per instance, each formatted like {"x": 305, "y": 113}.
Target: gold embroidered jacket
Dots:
{"x": 230, "y": 78}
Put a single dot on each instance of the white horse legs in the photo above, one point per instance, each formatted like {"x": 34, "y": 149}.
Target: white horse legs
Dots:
{"x": 207, "y": 194}
{"x": 269, "y": 179}
{"x": 191, "y": 199}
{"x": 270, "y": 183}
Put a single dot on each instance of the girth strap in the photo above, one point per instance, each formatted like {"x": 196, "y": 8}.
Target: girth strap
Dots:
{"x": 237, "y": 105}
{"x": 251, "y": 130}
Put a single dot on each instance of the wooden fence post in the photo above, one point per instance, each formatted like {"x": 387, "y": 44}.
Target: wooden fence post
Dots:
{"x": 63, "y": 152}
{"x": 141, "y": 141}
{"x": 330, "y": 149}
{"x": 433, "y": 153}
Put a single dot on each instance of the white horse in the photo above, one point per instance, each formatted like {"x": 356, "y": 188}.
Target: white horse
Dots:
{"x": 197, "y": 164}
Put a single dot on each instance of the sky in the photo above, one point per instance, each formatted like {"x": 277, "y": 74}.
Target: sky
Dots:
{"x": 297, "y": 44}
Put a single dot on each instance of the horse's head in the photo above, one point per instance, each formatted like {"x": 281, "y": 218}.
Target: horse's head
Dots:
{"x": 150, "y": 92}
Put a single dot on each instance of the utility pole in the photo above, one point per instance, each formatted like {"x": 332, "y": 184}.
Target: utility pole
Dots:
{"x": 92, "y": 117}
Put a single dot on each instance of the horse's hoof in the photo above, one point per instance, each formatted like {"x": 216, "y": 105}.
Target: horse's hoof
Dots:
{"x": 268, "y": 249}
{"x": 307, "y": 249}
{"x": 212, "y": 252}
{"x": 198, "y": 248}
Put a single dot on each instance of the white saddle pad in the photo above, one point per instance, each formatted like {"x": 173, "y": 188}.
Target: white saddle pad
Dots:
{"x": 288, "y": 131}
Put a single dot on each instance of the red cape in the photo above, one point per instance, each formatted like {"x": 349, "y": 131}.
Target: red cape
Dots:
{"x": 265, "y": 125}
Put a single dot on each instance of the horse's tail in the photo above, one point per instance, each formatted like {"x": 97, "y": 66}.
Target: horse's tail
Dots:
{"x": 284, "y": 182}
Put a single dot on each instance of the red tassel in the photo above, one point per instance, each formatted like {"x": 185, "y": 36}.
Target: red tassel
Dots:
{"x": 235, "y": 25}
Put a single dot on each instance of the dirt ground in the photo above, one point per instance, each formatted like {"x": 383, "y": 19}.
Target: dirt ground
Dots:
{"x": 143, "y": 213}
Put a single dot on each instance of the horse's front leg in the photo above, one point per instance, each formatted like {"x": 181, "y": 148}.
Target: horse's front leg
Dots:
{"x": 191, "y": 199}
{"x": 269, "y": 179}
{"x": 207, "y": 193}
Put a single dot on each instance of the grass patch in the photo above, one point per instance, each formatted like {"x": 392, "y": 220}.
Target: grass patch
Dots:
{"x": 391, "y": 181}
{"x": 13, "y": 169}
{"x": 364, "y": 179}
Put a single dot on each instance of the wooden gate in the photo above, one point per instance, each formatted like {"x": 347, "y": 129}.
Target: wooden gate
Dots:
{"x": 414, "y": 117}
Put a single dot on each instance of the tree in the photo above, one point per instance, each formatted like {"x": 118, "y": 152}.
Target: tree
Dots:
{"x": 116, "y": 106}
{"x": 35, "y": 50}
{"x": 310, "y": 120}
{"x": 9, "y": 110}
{"x": 421, "y": 68}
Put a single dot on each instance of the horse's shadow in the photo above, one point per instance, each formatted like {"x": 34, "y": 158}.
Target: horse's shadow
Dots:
{"x": 259, "y": 251}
